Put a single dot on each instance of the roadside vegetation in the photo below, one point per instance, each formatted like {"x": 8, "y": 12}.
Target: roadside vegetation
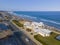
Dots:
{"x": 31, "y": 33}
{"x": 1, "y": 20}
{"x": 6, "y": 17}
{"x": 29, "y": 30}
{"x": 51, "y": 40}
{"x": 17, "y": 23}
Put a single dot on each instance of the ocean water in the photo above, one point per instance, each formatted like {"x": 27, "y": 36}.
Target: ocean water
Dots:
{"x": 51, "y": 18}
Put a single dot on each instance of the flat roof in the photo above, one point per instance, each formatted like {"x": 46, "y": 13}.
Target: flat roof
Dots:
{"x": 3, "y": 27}
{"x": 44, "y": 31}
{"x": 58, "y": 37}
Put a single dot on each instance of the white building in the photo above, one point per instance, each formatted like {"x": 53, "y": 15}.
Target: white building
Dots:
{"x": 36, "y": 27}
{"x": 38, "y": 24}
{"x": 33, "y": 24}
{"x": 43, "y": 32}
{"x": 27, "y": 25}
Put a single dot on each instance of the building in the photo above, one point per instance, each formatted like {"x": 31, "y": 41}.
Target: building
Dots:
{"x": 37, "y": 24}
{"x": 43, "y": 32}
{"x": 58, "y": 37}
{"x": 28, "y": 25}
{"x": 37, "y": 28}
{"x": 33, "y": 24}
{"x": 4, "y": 31}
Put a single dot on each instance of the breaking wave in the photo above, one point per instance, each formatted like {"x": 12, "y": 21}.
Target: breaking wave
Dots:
{"x": 24, "y": 16}
{"x": 51, "y": 21}
{"x": 46, "y": 20}
{"x": 36, "y": 18}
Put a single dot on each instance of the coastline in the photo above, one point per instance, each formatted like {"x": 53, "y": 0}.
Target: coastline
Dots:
{"x": 47, "y": 26}
{"x": 53, "y": 29}
{"x": 38, "y": 17}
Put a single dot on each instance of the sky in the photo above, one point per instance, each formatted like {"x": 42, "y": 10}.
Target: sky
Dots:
{"x": 30, "y": 5}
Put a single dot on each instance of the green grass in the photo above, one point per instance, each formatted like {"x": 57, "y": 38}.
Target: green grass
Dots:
{"x": 17, "y": 23}
{"x": 47, "y": 40}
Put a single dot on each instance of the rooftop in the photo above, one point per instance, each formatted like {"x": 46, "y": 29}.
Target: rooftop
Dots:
{"x": 44, "y": 31}
{"x": 58, "y": 37}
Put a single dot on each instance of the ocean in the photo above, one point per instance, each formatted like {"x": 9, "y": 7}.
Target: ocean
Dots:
{"x": 51, "y": 18}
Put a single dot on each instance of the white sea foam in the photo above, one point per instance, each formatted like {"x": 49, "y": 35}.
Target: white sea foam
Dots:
{"x": 22, "y": 15}
{"x": 51, "y": 21}
{"x": 31, "y": 17}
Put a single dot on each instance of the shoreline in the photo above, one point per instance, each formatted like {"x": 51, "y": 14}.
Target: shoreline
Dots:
{"x": 52, "y": 28}
{"x": 27, "y": 33}
{"x": 49, "y": 21}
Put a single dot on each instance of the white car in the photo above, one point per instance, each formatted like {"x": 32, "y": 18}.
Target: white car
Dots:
{"x": 27, "y": 39}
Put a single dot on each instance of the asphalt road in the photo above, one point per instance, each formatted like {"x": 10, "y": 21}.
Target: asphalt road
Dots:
{"x": 23, "y": 38}
{"x": 19, "y": 37}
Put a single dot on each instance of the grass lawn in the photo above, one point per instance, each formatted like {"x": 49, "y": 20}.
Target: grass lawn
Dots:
{"x": 17, "y": 23}
{"x": 47, "y": 40}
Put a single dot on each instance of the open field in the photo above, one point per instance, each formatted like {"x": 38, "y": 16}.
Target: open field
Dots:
{"x": 48, "y": 40}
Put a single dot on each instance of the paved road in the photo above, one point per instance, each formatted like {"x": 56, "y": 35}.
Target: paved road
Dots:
{"x": 23, "y": 37}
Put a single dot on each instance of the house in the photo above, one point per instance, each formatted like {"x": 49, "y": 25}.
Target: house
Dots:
{"x": 28, "y": 25}
{"x": 58, "y": 37}
{"x": 37, "y": 28}
{"x": 43, "y": 32}
{"x": 37, "y": 24}
{"x": 33, "y": 24}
